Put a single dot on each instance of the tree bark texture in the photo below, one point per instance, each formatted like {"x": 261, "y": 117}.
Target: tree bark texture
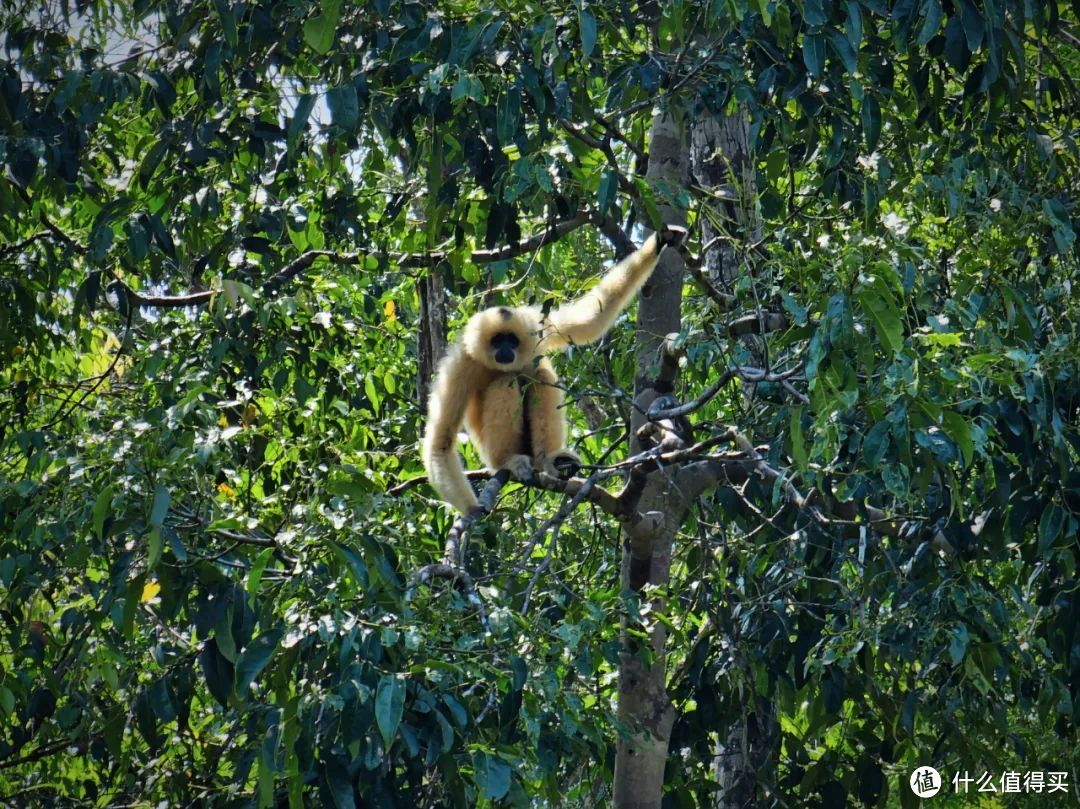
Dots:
{"x": 720, "y": 161}
{"x": 431, "y": 339}
{"x": 644, "y": 706}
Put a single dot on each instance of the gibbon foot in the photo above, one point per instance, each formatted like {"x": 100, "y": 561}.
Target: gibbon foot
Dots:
{"x": 564, "y": 464}
{"x": 670, "y": 236}
{"x": 520, "y": 467}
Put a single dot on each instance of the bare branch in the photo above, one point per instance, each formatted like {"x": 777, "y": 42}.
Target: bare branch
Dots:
{"x": 554, "y": 522}
{"x": 614, "y": 234}
{"x": 461, "y": 577}
{"x": 17, "y": 247}
{"x": 758, "y": 324}
{"x": 454, "y": 548}
{"x": 405, "y": 485}
{"x": 721, "y": 299}
{"x": 405, "y": 260}
{"x": 745, "y": 372}
{"x": 557, "y": 519}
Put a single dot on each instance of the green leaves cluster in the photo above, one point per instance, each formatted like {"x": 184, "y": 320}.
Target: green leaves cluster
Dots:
{"x": 203, "y": 574}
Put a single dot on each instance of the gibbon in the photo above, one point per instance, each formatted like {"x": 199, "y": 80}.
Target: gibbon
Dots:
{"x": 497, "y": 379}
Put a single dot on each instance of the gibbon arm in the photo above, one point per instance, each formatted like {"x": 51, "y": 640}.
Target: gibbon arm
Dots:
{"x": 588, "y": 318}
{"x": 456, "y": 377}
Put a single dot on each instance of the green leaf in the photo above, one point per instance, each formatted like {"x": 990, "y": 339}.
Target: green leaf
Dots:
{"x": 228, "y": 21}
{"x": 319, "y": 30}
{"x": 871, "y": 120}
{"x": 509, "y": 115}
{"x": 468, "y": 86}
{"x": 931, "y": 23}
{"x": 446, "y": 732}
{"x": 299, "y": 120}
{"x": 1050, "y": 525}
{"x": 151, "y": 161}
{"x": 254, "y": 659}
{"x": 155, "y": 546}
{"x": 853, "y": 24}
{"x": 875, "y": 444}
{"x": 949, "y": 339}
{"x": 885, "y": 317}
{"x": 897, "y": 479}
{"x": 959, "y": 431}
{"x": 319, "y": 34}
{"x": 158, "y": 512}
{"x": 457, "y": 710}
{"x": 254, "y": 576}
{"x": 956, "y": 51}
{"x": 344, "y": 107}
{"x": 218, "y": 672}
{"x": 102, "y": 505}
{"x": 798, "y": 443}
{"x": 160, "y": 507}
{"x": 372, "y": 393}
{"x": 832, "y": 691}
{"x": 588, "y": 32}
{"x": 814, "y": 12}
{"x": 389, "y": 705}
{"x": 342, "y": 792}
{"x": 520, "y": 671}
{"x": 813, "y": 48}
{"x": 265, "y": 777}
{"x": 844, "y": 50}
{"x": 492, "y": 775}
{"x": 907, "y": 713}
{"x": 223, "y": 635}
{"x": 959, "y": 644}
{"x": 609, "y": 182}
{"x": 353, "y": 561}
{"x": 146, "y": 721}
{"x": 164, "y": 92}
{"x": 974, "y": 24}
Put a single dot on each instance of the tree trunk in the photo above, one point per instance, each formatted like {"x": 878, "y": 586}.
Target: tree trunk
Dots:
{"x": 720, "y": 162}
{"x": 644, "y": 706}
{"x": 431, "y": 336}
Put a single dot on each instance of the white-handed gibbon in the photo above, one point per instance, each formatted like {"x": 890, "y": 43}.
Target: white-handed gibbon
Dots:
{"x": 497, "y": 379}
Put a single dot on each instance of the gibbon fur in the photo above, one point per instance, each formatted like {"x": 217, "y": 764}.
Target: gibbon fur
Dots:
{"x": 498, "y": 380}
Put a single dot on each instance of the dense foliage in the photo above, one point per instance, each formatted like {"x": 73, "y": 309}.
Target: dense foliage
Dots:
{"x": 204, "y": 561}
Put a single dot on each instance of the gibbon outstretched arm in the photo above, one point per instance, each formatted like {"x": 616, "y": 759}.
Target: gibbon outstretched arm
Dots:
{"x": 588, "y": 318}
{"x": 456, "y": 378}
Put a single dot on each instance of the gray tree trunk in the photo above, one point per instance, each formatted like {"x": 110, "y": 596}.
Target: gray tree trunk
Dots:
{"x": 644, "y": 706}
{"x": 721, "y": 163}
{"x": 431, "y": 336}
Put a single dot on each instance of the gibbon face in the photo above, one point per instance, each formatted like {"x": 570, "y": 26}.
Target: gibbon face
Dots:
{"x": 504, "y": 347}
{"x": 502, "y": 338}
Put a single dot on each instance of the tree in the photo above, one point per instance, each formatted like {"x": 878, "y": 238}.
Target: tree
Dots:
{"x": 848, "y": 520}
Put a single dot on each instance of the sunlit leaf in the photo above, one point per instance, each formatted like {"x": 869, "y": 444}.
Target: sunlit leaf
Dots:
{"x": 389, "y": 705}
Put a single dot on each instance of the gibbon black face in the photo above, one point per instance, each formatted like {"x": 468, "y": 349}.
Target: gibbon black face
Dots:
{"x": 504, "y": 347}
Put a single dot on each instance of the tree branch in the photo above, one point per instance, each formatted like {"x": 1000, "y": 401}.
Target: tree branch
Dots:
{"x": 404, "y": 260}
